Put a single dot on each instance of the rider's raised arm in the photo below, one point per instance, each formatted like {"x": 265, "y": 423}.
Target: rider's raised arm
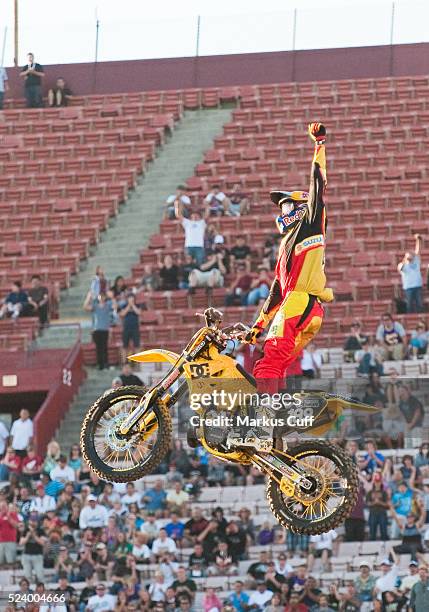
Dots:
{"x": 318, "y": 179}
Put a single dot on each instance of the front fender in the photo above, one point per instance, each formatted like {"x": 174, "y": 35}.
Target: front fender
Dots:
{"x": 155, "y": 356}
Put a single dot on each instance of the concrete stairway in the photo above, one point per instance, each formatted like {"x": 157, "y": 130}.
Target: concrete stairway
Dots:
{"x": 95, "y": 385}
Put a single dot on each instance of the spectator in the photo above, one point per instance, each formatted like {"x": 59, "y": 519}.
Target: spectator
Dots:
{"x": 177, "y": 499}
{"x": 372, "y": 459}
{"x": 130, "y": 326}
{"x": 150, "y": 279}
{"x": 31, "y": 464}
{"x": 184, "y": 585}
{"x": 66, "y": 593}
{"x": 64, "y": 563}
{"x": 8, "y": 535}
{"x": 239, "y": 599}
{"x": 119, "y": 288}
{"x": 93, "y": 515}
{"x": 412, "y": 283}
{"x": 218, "y": 203}
{"x": 53, "y": 453}
{"x": 211, "y": 602}
{"x": 181, "y": 201}
{"x": 104, "y": 561}
{"x": 236, "y": 539}
{"x": 10, "y": 464}
{"x": 4, "y": 85}
{"x": 365, "y": 583}
{"x": 321, "y": 547}
{"x": 15, "y": 303}
{"x": 175, "y": 528}
{"x": 38, "y": 298}
{"x": 62, "y": 473}
{"x": 21, "y": 433}
{"x": 295, "y": 605}
{"x": 155, "y": 498}
{"x": 390, "y": 336}
{"x": 103, "y": 311}
{"x": 163, "y": 544}
{"x": 369, "y": 359}
{"x": 311, "y": 361}
{"x": 237, "y": 293}
{"x": 240, "y": 252}
{"x": 60, "y": 94}
{"x": 33, "y": 74}
{"x": 127, "y": 377}
{"x": 260, "y": 287}
{"x": 238, "y": 202}
{"x": 33, "y": 540}
{"x": 197, "y": 562}
{"x": 377, "y": 500}
{"x": 419, "y": 340}
{"x": 101, "y": 600}
{"x": 419, "y": 598}
{"x": 258, "y": 599}
{"x": 4, "y": 436}
{"x": 169, "y": 275}
{"x": 354, "y": 342}
{"x": 42, "y": 503}
{"x": 412, "y": 539}
{"x": 401, "y": 507}
{"x": 258, "y": 569}
{"x": 223, "y": 563}
{"x": 413, "y": 413}
{"x": 194, "y": 235}
{"x": 99, "y": 284}
{"x": 211, "y": 273}
{"x": 422, "y": 457}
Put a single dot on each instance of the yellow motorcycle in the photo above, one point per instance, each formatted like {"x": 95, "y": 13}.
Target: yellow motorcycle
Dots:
{"x": 312, "y": 484}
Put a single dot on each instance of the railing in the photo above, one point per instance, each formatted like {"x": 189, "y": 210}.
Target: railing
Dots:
{"x": 58, "y": 400}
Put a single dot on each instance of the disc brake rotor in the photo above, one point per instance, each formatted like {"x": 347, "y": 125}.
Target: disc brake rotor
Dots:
{"x": 115, "y": 443}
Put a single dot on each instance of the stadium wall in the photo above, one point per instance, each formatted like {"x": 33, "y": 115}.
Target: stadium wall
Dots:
{"x": 240, "y": 69}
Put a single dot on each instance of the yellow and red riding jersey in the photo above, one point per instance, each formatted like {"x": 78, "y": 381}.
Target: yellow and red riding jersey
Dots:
{"x": 301, "y": 259}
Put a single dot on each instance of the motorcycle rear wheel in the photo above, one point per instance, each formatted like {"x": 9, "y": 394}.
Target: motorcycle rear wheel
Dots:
{"x": 341, "y": 477}
{"x": 117, "y": 459}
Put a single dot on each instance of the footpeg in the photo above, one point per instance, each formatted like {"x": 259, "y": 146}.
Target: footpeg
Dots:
{"x": 251, "y": 440}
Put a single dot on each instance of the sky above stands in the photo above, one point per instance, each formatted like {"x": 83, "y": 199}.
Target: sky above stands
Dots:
{"x": 60, "y": 31}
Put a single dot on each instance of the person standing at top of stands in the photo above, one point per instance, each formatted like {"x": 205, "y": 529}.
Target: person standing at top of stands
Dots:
{"x": 195, "y": 228}
{"x": 59, "y": 95}
{"x": 4, "y": 85}
{"x": 22, "y": 433}
{"x": 33, "y": 74}
{"x": 294, "y": 304}
{"x": 102, "y": 312}
{"x": 412, "y": 282}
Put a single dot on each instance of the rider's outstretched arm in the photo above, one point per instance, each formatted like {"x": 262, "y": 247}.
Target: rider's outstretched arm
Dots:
{"x": 318, "y": 180}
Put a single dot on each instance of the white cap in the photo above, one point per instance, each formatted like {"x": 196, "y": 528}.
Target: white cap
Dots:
{"x": 91, "y": 498}
{"x": 219, "y": 239}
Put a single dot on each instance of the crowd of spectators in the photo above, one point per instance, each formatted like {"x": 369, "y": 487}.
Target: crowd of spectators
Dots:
{"x": 121, "y": 547}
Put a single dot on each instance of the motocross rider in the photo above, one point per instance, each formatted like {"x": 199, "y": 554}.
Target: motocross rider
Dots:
{"x": 294, "y": 304}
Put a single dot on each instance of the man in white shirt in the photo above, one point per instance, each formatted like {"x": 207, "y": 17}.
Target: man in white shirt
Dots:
{"x": 177, "y": 498}
{"x": 62, "y": 472}
{"x": 195, "y": 228}
{"x": 260, "y": 597}
{"x": 410, "y": 579}
{"x": 183, "y": 201}
{"x": 321, "y": 547}
{"x": 217, "y": 201}
{"x": 131, "y": 496}
{"x": 4, "y": 434}
{"x": 93, "y": 515}
{"x": 101, "y": 601}
{"x": 4, "y": 85}
{"x": 387, "y": 581}
{"x": 163, "y": 544}
{"x": 42, "y": 503}
{"x": 22, "y": 433}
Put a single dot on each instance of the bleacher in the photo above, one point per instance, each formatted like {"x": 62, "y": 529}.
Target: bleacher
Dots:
{"x": 65, "y": 172}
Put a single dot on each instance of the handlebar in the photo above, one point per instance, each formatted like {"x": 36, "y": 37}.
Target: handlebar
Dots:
{"x": 213, "y": 319}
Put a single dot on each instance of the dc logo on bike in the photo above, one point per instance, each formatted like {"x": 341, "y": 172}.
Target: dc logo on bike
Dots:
{"x": 199, "y": 370}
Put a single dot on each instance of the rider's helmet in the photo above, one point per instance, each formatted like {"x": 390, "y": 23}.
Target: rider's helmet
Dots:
{"x": 292, "y": 205}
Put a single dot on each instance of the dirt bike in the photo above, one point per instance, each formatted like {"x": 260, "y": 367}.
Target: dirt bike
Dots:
{"x": 312, "y": 486}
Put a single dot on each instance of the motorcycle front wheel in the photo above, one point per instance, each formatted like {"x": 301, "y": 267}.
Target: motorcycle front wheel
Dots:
{"x": 124, "y": 459}
{"x": 330, "y": 499}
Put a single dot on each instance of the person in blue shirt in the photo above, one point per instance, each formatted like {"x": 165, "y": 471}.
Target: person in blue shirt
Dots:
{"x": 15, "y": 302}
{"x": 154, "y": 499}
{"x": 412, "y": 282}
{"x": 372, "y": 459}
{"x": 103, "y": 312}
{"x": 238, "y": 597}
{"x": 175, "y": 528}
{"x": 402, "y": 501}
